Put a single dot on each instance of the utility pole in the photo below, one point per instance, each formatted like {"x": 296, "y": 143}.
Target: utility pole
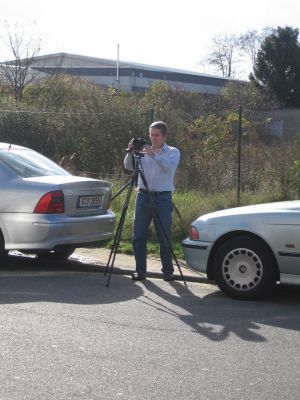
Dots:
{"x": 118, "y": 63}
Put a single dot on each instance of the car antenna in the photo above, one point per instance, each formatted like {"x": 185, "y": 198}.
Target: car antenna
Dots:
{"x": 9, "y": 147}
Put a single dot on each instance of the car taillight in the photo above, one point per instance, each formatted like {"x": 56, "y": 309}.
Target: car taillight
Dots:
{"x": 51, "y": 203}
{"x": 193, "y": 233}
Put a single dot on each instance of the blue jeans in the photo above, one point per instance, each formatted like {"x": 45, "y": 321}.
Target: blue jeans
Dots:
{"x": 161, "y": 215}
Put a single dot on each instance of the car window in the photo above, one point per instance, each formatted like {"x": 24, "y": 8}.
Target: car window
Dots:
{"x": 28, "y": 163}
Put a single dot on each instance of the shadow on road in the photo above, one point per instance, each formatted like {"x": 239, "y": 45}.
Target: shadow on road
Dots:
{"x": 216, "y": 316}
{"x": 18, "y": 262}
{"x": 26, "y": 279}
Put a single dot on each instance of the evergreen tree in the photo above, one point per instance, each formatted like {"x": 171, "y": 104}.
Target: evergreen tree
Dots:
{"x": 277, "y": 68}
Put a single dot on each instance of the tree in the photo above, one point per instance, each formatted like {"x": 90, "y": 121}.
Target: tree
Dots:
{"x": 277, "y": 67}
{"x": 250, "y": 42}
{"x": 223, "y": 54}
{"x": 17, "y": 72}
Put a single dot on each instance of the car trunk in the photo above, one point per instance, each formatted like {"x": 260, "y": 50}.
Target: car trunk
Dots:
{"x": 83, "y": 196}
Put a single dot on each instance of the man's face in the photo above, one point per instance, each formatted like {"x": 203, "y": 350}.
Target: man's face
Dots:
{"x": 157, "y": 138}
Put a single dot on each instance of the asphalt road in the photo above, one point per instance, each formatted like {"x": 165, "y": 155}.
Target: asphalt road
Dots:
{"x": 65, "y": 335}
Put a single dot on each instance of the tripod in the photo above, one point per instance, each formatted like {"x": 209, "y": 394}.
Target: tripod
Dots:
{"x": 130, "y": 184}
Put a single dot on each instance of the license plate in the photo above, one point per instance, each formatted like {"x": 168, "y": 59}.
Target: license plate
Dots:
{"x": 89, "y": 201}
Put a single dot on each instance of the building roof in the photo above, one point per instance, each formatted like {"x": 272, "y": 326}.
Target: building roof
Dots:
{"x": 102, "y": 62}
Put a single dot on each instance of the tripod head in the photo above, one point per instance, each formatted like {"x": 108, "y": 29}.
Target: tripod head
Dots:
{"x": 136, "y": 150}
{"x": 137, "y": 155}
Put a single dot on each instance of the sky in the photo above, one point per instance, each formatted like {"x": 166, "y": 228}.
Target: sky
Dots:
{"x": 170, "y": 33}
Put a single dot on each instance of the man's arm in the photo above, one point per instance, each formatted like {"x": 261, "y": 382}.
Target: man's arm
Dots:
{"x": 168, "y": 162}
{"x": 128, "y": 162}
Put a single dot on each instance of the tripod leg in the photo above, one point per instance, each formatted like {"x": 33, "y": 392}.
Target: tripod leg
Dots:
{"x": 115, "y": 247}
{"x": 118, "y": 235}
{"x": 119, "y": 228}
{"x": 122, "y": 188}
{"x": 116, "y": 240}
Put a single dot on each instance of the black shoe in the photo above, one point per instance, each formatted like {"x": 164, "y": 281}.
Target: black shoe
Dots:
{"x": 137, "y": 277}
{"x": 169, "y": 278}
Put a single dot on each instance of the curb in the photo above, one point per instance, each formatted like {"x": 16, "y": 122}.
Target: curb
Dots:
{"x": 159, "y": 275}
{"x": 125, "y": 265}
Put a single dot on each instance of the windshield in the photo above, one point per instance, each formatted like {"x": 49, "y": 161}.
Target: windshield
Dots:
{"x": 28, "y": 163}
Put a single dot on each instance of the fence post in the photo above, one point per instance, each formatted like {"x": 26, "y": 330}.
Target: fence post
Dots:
{"x": 151, "y": 115}
{"x": 239, "y": 150}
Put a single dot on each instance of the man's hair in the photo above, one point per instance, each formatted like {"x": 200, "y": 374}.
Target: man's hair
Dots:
{"x": 162, "y": 126}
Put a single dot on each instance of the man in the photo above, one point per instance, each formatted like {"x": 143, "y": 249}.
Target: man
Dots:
{"x": 158, "y": 165}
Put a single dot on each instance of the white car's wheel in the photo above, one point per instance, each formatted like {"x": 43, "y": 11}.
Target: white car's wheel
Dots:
{"x": 244, "y": 268}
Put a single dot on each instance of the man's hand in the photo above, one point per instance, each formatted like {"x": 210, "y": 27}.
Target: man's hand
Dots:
{"x": 148, "y": 150}
{"x": 130, "y": 144}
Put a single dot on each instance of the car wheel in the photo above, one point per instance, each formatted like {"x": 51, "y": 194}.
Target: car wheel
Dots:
{"x": 244, "y": 268}
{"x": 3, "y": 252}
{"x": 61, "y": 255}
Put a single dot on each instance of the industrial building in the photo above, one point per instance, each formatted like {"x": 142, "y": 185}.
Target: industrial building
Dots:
{"x": 126, "y": 76}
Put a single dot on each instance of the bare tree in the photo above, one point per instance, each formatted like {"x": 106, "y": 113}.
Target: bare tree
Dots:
{"x": 251, "y": 41}
{"x": 224, "y": 54}
{"x": 23, "y": 48}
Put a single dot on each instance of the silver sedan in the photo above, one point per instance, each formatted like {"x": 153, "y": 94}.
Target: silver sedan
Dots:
{"x": 246, "y": 250}
{"x": 47, "y": 211}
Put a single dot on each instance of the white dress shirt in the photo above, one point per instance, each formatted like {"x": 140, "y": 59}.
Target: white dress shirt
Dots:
{"x": 159, "y": 171}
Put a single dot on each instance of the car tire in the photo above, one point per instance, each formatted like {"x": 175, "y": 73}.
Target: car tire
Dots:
{"x": 244, "y": 268}
{"x": 3, "y": 252}
{"x": 60, "y": 255}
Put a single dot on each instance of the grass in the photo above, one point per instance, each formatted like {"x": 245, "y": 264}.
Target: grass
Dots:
{"x": 190, "y": 206}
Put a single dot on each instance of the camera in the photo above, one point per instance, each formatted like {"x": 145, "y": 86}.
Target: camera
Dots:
{"x": 138, "y": 143}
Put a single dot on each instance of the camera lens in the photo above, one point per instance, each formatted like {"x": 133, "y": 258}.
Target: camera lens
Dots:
{"x": 138, "y": 143}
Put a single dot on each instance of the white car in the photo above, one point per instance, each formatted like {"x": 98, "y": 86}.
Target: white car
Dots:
{"x": 246, "y": 250}
{"x": 47, "y": 211}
